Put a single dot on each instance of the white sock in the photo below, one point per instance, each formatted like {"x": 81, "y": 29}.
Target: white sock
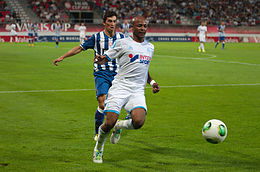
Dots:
{"x": 125, "y": 124}
{"x": 100, "y": 110}
{"x": 16, "y": 39}
{"x": 202, "y": 46}
{"x": 102, "y": 136}
{"x": 11, "y": 40}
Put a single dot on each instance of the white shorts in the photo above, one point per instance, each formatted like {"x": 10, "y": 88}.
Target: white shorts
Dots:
{"x": 82, "y": 35}
{"x": 202, "y": 38}
{"x": 120, "y": 96}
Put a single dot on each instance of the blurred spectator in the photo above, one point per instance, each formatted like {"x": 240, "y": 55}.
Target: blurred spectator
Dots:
{"x": 233, "y": 12}
{"x": 48, "y": 10}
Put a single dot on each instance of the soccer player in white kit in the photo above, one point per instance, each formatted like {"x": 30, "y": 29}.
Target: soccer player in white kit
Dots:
{"x": 82, "y": 33}
{"x": 134, "y": 56}
{"x": 202, "y": 30}
{"x": 13, "y": 33}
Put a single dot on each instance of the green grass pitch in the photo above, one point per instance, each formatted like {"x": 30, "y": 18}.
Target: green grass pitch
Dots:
{"x": 47, "y": 112}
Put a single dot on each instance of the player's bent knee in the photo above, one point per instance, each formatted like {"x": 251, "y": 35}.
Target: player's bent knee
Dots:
{"x": 101, "y": 99}
{"x": 138, "y": 123}
{"x": 111, "y": 119}
{"x": 101, "y": 105}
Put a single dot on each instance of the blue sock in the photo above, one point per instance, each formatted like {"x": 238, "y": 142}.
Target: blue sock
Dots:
{"x": 223, "y": 45}
{"x": 216, "y": 44}
{"x": 99, "y": 118}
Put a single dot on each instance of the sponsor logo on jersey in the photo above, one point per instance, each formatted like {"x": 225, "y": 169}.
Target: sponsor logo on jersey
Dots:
{"x": 143, "y": 58}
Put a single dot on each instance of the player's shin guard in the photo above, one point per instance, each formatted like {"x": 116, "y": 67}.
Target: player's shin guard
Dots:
{"x": 99, "y": 118}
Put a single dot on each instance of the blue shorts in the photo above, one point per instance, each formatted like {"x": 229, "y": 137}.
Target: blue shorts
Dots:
{"x": 35, "y": 34}
{"x": 221, "y": 38}
{"x": 103, "y": 81}
{"x": 30, "y": 34}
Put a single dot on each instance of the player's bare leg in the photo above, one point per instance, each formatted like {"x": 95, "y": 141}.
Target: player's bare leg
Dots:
{"x": 136, "y": 122}
{"x": 104, "y": 131}
{"x": 99, "y": 116}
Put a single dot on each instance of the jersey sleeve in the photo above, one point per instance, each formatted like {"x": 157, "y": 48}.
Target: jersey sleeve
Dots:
{"x": 88, "y": 44}
{"x": 198, "y": 29}
{"x": 115, "y": 51}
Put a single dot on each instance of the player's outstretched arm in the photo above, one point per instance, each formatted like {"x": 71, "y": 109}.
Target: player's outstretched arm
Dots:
{"x": 72, "y": 52}
{"x": 154, "y": 84}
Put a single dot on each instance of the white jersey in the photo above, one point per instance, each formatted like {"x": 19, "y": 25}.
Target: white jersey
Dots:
{"x": 13, "y": 29}
{"x": 82, "y": 30}
{"x": 202, "y": 33}
{"x": 202, "y": 30}
{"x": 133, "y": 59}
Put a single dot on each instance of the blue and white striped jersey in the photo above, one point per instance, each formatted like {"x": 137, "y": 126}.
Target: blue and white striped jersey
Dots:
{"x": 221, "y": 29}
{"x": 100, "y": 43}
{"x": 30, "y": 27}
{"x": 57, "y": 29}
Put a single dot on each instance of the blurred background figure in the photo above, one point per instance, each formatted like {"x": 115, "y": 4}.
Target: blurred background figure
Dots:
{"x": 221, "y": 30}
{"x": 82, "y": 33}
{"x": 125, "y": 27}
{"x": 57, "y": 30}
{"x": 35, "y": 30}
{"x": 30, "y": 27}
{"x": 13, "y": 33}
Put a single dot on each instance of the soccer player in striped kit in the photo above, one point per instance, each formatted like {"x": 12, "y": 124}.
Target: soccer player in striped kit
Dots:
{"x": 30, "y": 28}
{"x": 221, "y": 30}
{"x": 57, "y": 30}
{"x": 103, "y": 74}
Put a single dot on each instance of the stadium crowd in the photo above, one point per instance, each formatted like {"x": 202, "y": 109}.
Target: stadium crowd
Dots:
{"x": 6, "y": 14}
{"x": 157, "y": 11}
{"x": 233, "y": 12}
{"x": 49, "y": 10}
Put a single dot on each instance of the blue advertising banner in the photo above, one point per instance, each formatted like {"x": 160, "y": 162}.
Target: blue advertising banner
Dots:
{"x": 62, "y": 38}
{"x": 169, "y": 38}
{"x": 71, "y": 38}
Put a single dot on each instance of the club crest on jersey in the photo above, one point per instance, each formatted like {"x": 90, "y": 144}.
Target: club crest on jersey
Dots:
{"x": 143, "y": 58}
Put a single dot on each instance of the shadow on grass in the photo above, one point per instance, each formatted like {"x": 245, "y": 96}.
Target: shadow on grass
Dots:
{"x": 148, "y": 156}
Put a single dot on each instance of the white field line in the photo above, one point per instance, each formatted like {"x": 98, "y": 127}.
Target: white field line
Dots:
{"x": 172, "y": 86}
{"x": 210, "y": 60}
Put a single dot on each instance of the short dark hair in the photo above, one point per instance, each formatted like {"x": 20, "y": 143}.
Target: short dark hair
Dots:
{"x": 108, "y": 14}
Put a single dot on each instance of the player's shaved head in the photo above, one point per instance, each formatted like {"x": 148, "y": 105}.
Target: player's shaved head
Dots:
{"x": 138, "y": 18}
{"x": 140, "y": 25}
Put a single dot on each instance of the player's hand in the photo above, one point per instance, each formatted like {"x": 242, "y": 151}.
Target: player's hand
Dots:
{"x": 156, "y": 88}
{"x": 100, "y": 59}
{"x": 55, "y": 62}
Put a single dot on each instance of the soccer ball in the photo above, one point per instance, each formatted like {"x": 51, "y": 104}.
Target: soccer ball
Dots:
{"x": 214, "y": 131}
